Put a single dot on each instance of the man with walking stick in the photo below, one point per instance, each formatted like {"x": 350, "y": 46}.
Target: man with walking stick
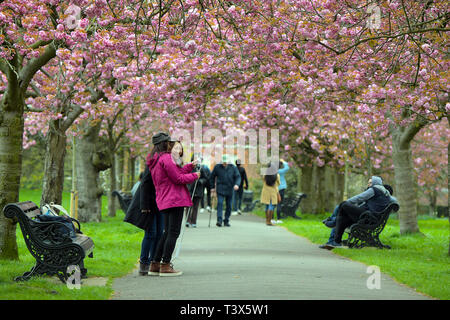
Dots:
{"x": 228, "y": 179}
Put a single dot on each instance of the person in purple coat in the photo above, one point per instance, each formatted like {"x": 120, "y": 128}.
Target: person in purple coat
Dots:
{"x": 172, "y": 196}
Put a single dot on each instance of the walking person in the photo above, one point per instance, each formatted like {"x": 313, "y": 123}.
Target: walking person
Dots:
{"x": 237, "y": 194}
{"x": 228, "y": 179}
{"x": 196, "y": 190}
{"x": 208, "y": 190}
{"x": 172, "y": 196}
{"x": 283, "y": 168}
{"x": 269, "y": 194}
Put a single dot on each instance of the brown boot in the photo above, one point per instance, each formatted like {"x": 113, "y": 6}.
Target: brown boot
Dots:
{"x": 268, "y": 218}
{"x": 143, "y": 269}
{"x": 154, "y": 268}
{"x": 167, "y": 270}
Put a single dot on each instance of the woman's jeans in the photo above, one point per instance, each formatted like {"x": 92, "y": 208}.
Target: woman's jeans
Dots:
{"x": 173, "y": 218}
{"x": 151, "y": 238}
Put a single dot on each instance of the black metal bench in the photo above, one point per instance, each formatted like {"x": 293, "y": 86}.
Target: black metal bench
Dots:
{"x": 365, "y": 233}
{"x": 53, "y": 250}
{"x": 248, "y": 202}
{"x": 124, "y": 199}
{"x": 289, "y": 205}
{"x": 442, "y": 211}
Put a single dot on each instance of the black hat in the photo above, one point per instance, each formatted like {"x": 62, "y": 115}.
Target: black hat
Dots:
{"x": 161, "y": 137}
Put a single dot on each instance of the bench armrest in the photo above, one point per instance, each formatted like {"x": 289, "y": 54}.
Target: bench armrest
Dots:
{"x": 77, "y": 222}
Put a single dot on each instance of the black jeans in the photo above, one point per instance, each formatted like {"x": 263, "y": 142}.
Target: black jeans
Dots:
{"x": 281, "y": 192}
{"x": 348, "y": 214}
{"x": 192, "y": 218}
{"x": 208, "y": 198}
{"x": 173, "y": 218}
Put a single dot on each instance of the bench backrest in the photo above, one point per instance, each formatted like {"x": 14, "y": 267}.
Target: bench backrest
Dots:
{"x": 379, "y": 219}
{"x": 35, "y": 232}
{"x": 22, "y": 210}
{"x": 294, "y": 201}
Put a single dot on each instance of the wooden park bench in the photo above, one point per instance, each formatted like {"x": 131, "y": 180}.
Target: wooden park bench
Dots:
{"x": 365, "y": 233}
{"x": 124, "y": 199}
{"x": 49, "y": 242}
{"x": 289, "y": 205}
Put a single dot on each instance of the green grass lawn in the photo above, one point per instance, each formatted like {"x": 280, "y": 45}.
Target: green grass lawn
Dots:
{"x": 117, "y": 248}
{"x": 420, "y": 261}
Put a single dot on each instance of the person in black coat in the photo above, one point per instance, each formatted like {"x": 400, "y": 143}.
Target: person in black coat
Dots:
{"x": 199, "y": 188}
{"x": 237, "y": 195}
{"x": 208, "y": 189}
{"x": 228, "y": 179}
{"x": 143, "y": 212}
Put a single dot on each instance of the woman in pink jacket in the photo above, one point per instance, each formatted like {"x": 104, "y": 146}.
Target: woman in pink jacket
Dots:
{"x": 172, "y": 196}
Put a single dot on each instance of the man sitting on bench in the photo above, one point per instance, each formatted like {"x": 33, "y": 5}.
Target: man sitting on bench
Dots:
{"x": 375, "y": 199}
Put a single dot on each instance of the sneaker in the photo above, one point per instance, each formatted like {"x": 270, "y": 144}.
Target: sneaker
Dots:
{"x": 193, "y": 225}
{"x": 273, "y": 221}
{"x": 239, "y": 212}
{"x": 279, "y": 221}
{"x": 188, "y": 224}
{"x": 202, "y": 210}
{"x": 333, "y": 244}
{"x": 218, "y": 224}
{"x": 227, "y": 224}
{"x": 208, "y": 208}
{"x": 166, "y": 270}
{"x": 154, "y": 269}
{"x": 234, "y": 213}
{"x": 330, "y": 224}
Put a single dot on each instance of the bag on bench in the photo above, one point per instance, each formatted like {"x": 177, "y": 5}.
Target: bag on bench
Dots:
{"x": 51, "y": 215}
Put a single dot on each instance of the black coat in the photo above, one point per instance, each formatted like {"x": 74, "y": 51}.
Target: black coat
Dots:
{"x": 227, "y": 178}
{"x": 143, "y": 199}
{"x": 202, "y": 183}
{"x": 243, "y": 178}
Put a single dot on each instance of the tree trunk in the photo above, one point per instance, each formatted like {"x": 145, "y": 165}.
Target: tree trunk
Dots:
{"x": 11, "y": 140}
{"x": 432, "y": 199}
{"x": 405, "y": 181}
{"x": 112, "y": 202}
{"x": 11, "y": 130}
{"x": 307, "y": 203}
{"x": 90, "y": 160}
{"x": 55, "y": 153}
{"x": 320, "y": 190}
{"x": 448, "y": 186}
{"x": 339, "y": 187}
{"x": 125, "y": 170}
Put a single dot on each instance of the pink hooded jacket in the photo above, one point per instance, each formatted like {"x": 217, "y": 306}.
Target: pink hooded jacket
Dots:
{"x": 170, "y": 181}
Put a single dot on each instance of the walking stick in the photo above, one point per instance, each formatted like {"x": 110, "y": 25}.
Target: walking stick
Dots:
{"x": 183, "y": 224}
{"x": 211, "y": 209}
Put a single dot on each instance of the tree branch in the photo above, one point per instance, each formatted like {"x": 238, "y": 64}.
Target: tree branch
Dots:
{"x": 33, "y": 66}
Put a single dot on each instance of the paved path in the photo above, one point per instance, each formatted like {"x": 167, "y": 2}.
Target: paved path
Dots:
{"x": 251, "y": 261}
